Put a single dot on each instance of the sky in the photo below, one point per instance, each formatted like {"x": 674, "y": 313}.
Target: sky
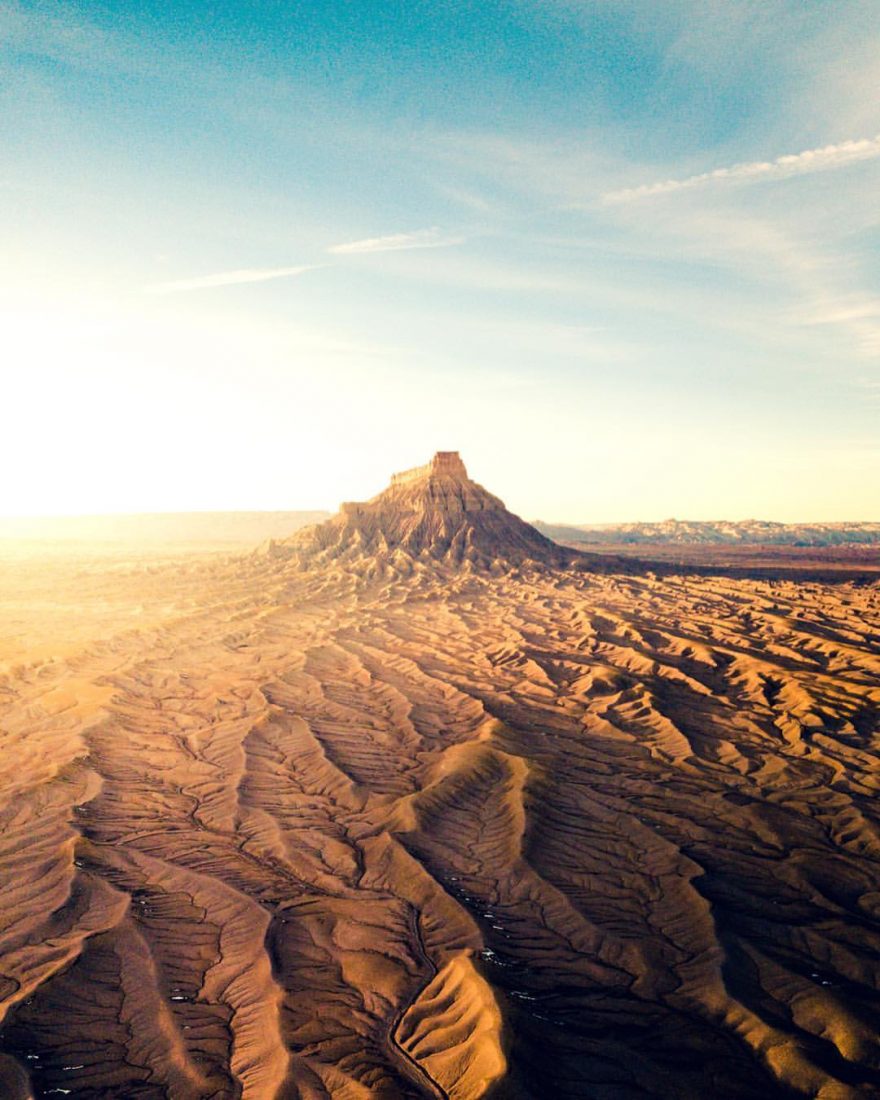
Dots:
{"x": 623, "y": 256}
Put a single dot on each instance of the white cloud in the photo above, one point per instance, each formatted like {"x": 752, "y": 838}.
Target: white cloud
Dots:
{"x": 792, "y": 164}
{"x": 465, "y": 197}
{"x": 860, "y": 316}
{"x": 397, "y": 242}
{"x": 867, "y": 309}
{"x": 227, "y": 278}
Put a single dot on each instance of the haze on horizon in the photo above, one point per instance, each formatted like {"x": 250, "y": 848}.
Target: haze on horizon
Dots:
{"x": 623, "y": 257}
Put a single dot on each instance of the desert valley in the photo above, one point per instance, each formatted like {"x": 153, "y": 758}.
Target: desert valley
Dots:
{"x": 415, "y": 802}
{"x": 545, "y": 768}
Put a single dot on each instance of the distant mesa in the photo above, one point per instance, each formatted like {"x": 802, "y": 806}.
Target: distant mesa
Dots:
{"x": 433, "y": 513}
{"x": 747, "y": 532}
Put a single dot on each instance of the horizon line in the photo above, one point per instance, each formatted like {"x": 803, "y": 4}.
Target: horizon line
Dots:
{"x": 38, "y": 516}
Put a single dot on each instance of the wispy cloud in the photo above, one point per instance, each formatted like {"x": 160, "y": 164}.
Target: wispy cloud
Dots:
{"x": 859, "y": 315}
{"x": 792, "y": 164}
{"x": 867, "y": 309}
{"x": 397, "y": 242}
{"x": 228, "y": 278}
{"x": 466, "y": 197}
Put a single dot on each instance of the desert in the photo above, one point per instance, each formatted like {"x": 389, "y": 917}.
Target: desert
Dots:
{"x": 415, "y": 802}
{"x": 440, "y": 550}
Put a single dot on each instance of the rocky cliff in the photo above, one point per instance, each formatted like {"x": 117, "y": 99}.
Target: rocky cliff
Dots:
{"x": 432, "y": 512}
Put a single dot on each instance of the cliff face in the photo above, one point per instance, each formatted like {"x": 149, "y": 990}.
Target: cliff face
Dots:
{"x": 432, "y": 512}
{"x": 443, "y": 464}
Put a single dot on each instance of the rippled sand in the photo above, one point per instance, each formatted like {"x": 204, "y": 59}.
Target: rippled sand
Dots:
{"x": 270, "y": 832}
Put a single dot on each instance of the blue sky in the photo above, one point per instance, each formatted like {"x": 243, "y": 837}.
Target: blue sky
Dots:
{"x": 623, "y": 256}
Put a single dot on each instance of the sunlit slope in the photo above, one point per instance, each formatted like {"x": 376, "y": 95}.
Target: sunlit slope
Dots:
{"x": 428, "y": 514}
{"x": 432, "y": 831}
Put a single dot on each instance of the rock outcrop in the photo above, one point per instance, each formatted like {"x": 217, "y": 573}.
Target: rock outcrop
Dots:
{"x": 431, "y": 513}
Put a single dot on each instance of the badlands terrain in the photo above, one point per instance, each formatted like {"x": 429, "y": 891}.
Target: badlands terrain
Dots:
{"x": 417, "y": 803}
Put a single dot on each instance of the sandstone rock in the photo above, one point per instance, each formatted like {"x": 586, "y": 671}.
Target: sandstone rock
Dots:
{"x": 431, "y": 512}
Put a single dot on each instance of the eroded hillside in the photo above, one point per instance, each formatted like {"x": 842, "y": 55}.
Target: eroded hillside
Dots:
{"x": 414, "y": 824}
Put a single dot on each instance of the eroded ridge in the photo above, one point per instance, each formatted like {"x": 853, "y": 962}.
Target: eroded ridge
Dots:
{"x": 528, "y": 834}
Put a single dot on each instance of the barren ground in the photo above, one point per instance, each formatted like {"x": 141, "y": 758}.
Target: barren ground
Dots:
{"x": 277, "y": 833}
